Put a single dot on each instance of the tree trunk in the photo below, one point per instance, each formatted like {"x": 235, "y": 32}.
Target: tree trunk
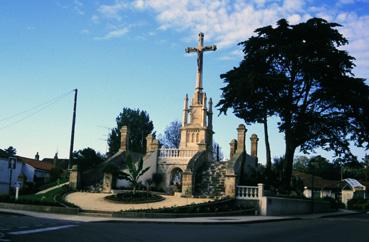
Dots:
{"x": 287, "y": 166}
{"x": 134, "y": 189}
{"x": 267, "y": 145}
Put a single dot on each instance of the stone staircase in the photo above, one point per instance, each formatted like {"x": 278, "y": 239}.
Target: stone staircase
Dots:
{"x": 210, "y": 179}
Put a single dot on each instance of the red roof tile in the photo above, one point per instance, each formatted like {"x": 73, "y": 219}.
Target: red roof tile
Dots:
{"x": 36, "y": 163}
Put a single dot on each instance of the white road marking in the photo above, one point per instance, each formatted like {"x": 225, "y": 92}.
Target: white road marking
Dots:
{"x": 41, "y": 230}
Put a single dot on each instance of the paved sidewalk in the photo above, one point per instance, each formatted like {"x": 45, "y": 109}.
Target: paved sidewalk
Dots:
{"x": 195, "y": 220}
{"x": 96, "y": 202}
{"x": 52, "y": 188}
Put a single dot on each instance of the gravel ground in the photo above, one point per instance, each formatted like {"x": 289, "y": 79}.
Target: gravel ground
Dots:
{"x": 96, "y": 201}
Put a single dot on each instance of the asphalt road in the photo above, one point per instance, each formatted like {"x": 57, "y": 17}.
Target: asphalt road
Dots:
{"x": 353, "y": 228}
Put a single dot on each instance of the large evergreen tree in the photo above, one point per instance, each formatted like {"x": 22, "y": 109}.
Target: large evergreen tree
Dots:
{"x": 87, "y": 158}
{"x": 139, "y": 125}
{"x": 299, "y": 73}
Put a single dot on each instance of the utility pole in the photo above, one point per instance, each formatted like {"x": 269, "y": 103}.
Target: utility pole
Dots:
{"x": 73, "y": 127}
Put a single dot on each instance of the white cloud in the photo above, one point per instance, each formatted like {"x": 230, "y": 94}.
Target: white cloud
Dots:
{"x": 139, "y": 4}
{"x": 85, "y": 31}
{"x": 227, "y": 22}
{"x": 112, "y": 11}
{"x": 113, "y": 34}
{"x": 78, "y": 7}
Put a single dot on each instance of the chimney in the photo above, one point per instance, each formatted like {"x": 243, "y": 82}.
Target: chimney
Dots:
{"x": 241, "y": 133}
{"x": 37, "y": 156}
{"x": 124, "y": 138}
{"x": 55, "y": 161}
{"x": 254, "y": 145}
{"x": 149, "y": 140}
{"x": 233, "y": 148}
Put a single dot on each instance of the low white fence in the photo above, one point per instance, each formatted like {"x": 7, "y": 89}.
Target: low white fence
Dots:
{"x": 250, "y": 192}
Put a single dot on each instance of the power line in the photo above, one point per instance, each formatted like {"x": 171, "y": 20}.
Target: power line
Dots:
{"x": 37, "y": 109}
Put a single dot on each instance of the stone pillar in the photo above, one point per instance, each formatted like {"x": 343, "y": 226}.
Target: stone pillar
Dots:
{"x": 230, "y": 185}
{"x": 204, "y": 111}
{"x": 155, "y": 145}
{"x": 241, "y": 136}
{"x": 233, "y": 148}
{"x": 149, "y": 140}
{"x": 124, "y": 138}
{"x": 187, "y": 187}
{"x": 210, "y": 114}
{"x": 185, "y": 111}
{"x": 254, "y": 145}
{"x": 107, "y": 182}
{"x": 74, "y": 178}
{"x": 260, "y": 190}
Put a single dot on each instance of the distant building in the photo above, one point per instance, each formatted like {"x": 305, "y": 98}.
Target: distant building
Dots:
{"x": 26, "y": 170}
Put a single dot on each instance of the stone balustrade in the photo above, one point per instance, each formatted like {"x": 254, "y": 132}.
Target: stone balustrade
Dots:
{"x": 250, "y": 192}
{"x": 176, "y": 153}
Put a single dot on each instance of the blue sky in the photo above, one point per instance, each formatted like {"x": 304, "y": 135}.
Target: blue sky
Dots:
{"x": 131, "y": 54}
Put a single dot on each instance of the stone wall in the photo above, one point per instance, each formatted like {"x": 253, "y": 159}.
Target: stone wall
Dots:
{"x": 276, "y": 206}
{"x": 210, "y": 179}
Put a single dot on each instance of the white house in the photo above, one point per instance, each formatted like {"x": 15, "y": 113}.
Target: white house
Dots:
{"x": 352, "y": 188}
{"x": 25, "y": 170}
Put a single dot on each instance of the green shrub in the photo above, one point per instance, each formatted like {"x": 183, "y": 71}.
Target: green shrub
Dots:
{"x": 358, "y": 204}
{"x": 135, "y": 197}
{"x": 224, "y": 205}
{"x": 335, "y": 204}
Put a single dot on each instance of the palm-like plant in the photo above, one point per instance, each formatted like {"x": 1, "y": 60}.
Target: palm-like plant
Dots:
{"x": 134, "y": 172}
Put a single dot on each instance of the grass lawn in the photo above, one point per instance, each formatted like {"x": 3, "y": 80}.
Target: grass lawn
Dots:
{"x": 51, "y": 198}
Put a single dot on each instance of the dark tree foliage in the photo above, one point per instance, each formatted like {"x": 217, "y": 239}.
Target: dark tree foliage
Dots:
{"x": 87, "y": 158}
{"x": 139, "y": 125}
{"x": 172, "y": 135}
{"x": 10, "y": 151}
{"x": 308, "y": 83}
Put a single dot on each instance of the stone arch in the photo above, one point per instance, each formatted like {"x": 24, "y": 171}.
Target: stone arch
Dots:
{"x": 176, "y": 176}
{"x": 197, "y": 137}
{"x": 193, "y": 138}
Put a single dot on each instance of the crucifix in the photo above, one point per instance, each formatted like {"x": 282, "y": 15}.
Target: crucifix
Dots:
{"x": 200, "y": 50}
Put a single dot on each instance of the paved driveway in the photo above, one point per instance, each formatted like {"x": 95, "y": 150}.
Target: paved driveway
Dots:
{"x": 96, "y": 201}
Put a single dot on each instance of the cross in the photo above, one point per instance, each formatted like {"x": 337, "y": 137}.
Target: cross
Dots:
{"x": 200, "y": 50}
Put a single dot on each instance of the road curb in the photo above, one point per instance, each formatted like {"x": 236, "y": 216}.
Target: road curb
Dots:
{"x": 199, "y": 222}
{"x": 341, "y": 215}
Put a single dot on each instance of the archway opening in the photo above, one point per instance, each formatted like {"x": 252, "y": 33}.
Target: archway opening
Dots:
{"x": 176, "y": 179}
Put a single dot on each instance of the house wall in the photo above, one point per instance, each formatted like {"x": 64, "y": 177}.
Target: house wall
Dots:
{"x": 20, "y": 168}
{"x": 319, "y": 193}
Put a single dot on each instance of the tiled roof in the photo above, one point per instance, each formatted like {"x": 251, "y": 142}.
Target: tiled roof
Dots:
{"x": 3, "y": 154}
{"x": 36, "y": 163}
{"x": 318, "y": 181}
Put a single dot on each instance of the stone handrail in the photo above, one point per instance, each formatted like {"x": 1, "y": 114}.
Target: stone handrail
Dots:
{"x": 176, "y": 153}
{"x": 250, "y": 192}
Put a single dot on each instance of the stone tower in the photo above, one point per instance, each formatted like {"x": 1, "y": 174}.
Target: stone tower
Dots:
{"x": 197, "y": 121}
